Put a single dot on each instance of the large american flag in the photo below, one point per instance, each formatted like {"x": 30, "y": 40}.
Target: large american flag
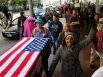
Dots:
{"x": 19, "y": 60}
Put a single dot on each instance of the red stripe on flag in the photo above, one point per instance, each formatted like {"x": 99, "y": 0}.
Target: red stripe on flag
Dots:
{"x": 22, "y": 65}
{"x": 33, "y": 66}
{"x": 10, "y": 65}
{"x": 4, "y": 60}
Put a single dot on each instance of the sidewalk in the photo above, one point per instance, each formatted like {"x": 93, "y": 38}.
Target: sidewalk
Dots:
{"x": 17, "y": 14}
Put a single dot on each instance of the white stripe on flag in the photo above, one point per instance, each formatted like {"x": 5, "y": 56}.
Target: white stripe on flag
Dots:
{"x": 13, "y": 56}
{"x": 11, "y": 49}
{"x": 13, "y": 69}
{"x": 29, "y": 63}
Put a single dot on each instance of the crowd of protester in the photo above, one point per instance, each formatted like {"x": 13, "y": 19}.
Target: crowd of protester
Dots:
{"x": 66, "y": 38}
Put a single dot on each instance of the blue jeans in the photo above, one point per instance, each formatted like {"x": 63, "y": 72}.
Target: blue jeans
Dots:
{"x": 54, "y": 44}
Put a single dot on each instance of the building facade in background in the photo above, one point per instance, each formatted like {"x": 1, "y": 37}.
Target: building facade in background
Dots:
{"x": 53, "y": 2}
{"x": 36, "y": 2}
{"x": 58, "y": 2}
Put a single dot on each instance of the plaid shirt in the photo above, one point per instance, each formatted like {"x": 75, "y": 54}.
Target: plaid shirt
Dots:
{"x": 99, "y": 37}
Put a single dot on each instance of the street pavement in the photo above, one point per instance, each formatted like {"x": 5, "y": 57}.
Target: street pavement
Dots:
{"x": 84, "y": 54}
{"x": 5, "y": 43}
{"x": 17, "y": 14}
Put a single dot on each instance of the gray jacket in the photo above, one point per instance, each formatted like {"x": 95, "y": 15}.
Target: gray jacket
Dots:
{"x": 70, "y": 58}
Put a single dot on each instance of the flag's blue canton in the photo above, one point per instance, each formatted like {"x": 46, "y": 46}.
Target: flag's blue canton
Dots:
{"x": 36, "y": 45}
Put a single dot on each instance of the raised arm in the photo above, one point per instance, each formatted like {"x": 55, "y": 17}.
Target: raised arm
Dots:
{"x": 88, "y": 39}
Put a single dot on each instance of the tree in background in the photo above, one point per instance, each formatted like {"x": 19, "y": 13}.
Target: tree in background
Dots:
{"x": 18, "y": 2}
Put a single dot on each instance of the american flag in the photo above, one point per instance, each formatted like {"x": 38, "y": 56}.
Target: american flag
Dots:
{"x": 19, "y": 60}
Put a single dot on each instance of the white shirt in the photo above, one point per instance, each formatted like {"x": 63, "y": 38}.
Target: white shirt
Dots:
{"x": 98, "y": 72}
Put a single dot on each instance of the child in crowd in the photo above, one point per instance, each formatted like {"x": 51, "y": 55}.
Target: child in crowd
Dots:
{"x": 39, "y": 30}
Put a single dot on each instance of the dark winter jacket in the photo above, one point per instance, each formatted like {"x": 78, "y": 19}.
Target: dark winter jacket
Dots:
{"x": 20, "y": 24}
{"x": 70, "y": 58}
{"x": 55, "y": 27}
